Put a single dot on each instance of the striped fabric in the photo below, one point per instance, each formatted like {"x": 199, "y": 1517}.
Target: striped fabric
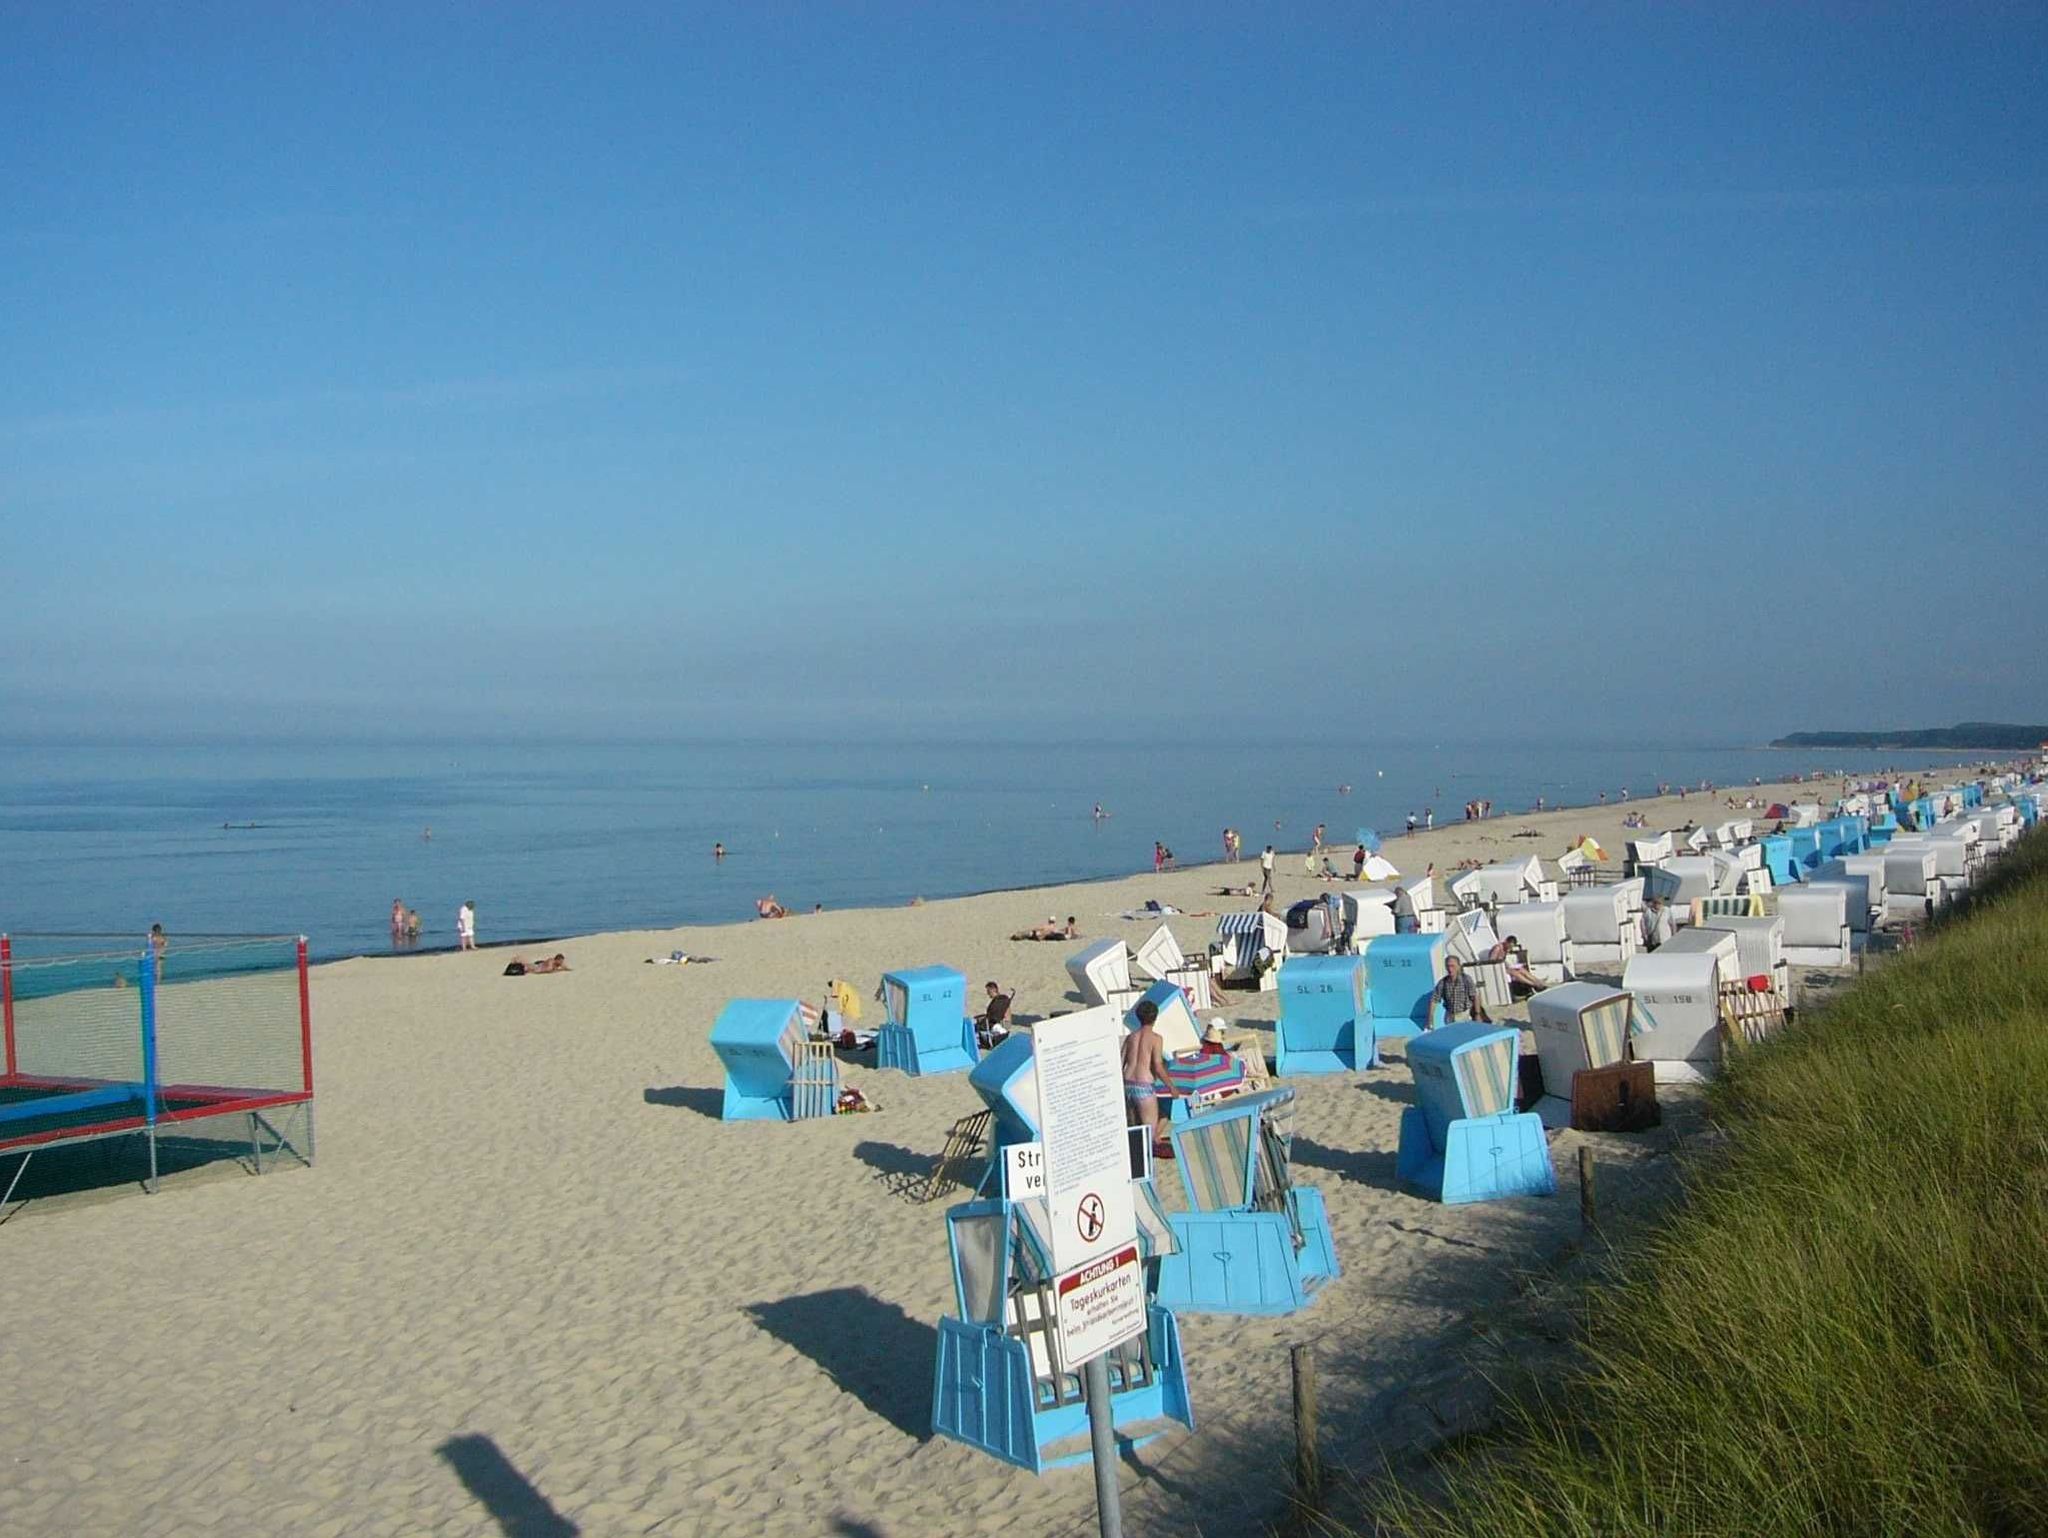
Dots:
{"x": 1486, "y": 1075}
{"x": 1253, "y": 923}
{"x": 1213, "y": 1157}
{"x": 1204, "y": 1073}
{"x": 1155, "y": 1233}
{"x": 1605, "y": 1028}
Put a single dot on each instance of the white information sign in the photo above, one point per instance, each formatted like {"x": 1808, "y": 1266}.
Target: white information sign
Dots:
{"x": 1081, "y": 1123}
{"x": 1098, "y": 1306}
{"x": 1024, "y": 1171}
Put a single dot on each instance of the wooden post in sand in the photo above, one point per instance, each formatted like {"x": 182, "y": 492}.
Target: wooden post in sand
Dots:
{"x": 1308, "y": 1455}
{"x": 1589, "y": 1218}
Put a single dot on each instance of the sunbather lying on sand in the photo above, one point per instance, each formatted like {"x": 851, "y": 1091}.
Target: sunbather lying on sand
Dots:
{"x": 1249, "y": 889}
{"x": 1051, "y": 929}
{"x": 555, "y": 963}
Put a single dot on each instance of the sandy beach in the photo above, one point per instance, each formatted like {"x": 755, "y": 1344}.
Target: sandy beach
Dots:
{"x": 534, "y": 1285}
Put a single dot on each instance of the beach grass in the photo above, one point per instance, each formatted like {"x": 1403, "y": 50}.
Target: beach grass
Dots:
{"x": 1842, "y": 1328}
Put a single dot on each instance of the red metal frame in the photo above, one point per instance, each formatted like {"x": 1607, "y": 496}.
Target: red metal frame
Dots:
{"x": 305, "y": 1019}
{"x": 7, "y": 996}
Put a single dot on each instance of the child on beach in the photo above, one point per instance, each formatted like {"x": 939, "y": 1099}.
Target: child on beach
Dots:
{"x": 1144, "y": 1071}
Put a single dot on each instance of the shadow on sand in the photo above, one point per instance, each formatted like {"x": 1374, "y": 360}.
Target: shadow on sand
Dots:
{"x": 902, "y": 1171}
{"x": 688, "y": 1097}
{"x": 871, "y": 1349}
{"x": 1368, "y": 1167}
{"x": 519, "y": 1510}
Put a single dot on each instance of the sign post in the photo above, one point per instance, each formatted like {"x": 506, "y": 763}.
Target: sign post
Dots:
{"x": 1099, "y": 1293}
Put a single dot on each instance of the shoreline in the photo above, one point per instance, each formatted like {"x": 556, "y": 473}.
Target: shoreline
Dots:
{"x": 1079, "y": 883}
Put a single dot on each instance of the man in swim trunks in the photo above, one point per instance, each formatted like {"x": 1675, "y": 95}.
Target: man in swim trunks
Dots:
{"x": 1144, "y": 1071}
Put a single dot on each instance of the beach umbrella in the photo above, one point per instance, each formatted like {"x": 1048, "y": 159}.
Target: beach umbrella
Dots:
{"x": 1369, "y": 841}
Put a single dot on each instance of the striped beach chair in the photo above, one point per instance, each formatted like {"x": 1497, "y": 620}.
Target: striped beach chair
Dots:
{"x": 999, "y": 1384}
{"x": 1251, "y": 1241}
{"x": 1463, "y": 1140}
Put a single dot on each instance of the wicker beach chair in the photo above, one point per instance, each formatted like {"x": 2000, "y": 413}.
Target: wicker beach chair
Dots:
{"x": 1252, "y": 1242}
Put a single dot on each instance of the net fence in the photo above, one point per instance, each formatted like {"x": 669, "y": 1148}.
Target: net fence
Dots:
{"x": 103, "y": 1029}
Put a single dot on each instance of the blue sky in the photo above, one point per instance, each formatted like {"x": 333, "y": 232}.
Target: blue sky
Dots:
{"x": 388, "y": 368}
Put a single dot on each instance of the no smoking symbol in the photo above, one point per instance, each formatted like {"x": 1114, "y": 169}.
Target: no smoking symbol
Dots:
{"x": 1089, "y": 1218}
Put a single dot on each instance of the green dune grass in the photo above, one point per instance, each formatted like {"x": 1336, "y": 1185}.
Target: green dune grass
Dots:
{"x": 1843, "y": 1328}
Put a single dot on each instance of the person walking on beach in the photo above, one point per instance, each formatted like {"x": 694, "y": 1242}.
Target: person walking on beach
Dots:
{"x": 1144, "y": 1072}
{"x": 1158, "y": 857}
{"x": 1429, "y": 819}
{"x": 1411, "y": 824}
{"x": 1266, "y": 873}
{"x": 1457, "y": 995}
{"x": 465, "y": 926}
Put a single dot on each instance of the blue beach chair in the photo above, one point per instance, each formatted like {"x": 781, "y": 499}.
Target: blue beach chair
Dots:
{"x": 928, "y": 1028}
{"x": 1322, "y": 1010}
{"x": 998, "y": 1385}
{"x": 1402, "y": 972}
{"x": 773, "y": 1072}
{"x": 1251, "y": 1242}
{"x": 1462, "y": 1141}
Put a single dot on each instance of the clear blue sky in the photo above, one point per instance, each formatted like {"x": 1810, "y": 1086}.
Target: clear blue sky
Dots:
{"x": 1325, "y": 368}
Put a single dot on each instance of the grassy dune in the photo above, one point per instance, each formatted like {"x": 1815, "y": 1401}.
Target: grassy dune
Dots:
{"x": 1844, "y": 1327}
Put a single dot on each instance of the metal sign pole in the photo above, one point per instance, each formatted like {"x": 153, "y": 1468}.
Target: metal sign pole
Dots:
{"x": 1109, "y": 1513}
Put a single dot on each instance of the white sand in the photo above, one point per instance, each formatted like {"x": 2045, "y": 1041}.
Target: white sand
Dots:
{"x": 527, "y": 1225}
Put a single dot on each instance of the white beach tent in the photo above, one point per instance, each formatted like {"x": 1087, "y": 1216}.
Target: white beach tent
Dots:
{"x": 1650, "y": 849}
{"x": 1816, "y": 925}
{"x": 1576, "y": 1026}
{"x": 1102, "y": 973}
{"x": 1513, "y": 881}
{"x": 1759, "y": 948}
{"x": 1369, "y": 912}
{"x": 1631, "y": 889}
{"x": 1539, "y": 928}
{"x": 1699, "y": 875}
{"x": 1602, "y": 930}
{"x": 1955, "y": 857}
{"x": 1866, "y": 871}
{"x": 1470, "y": 936}
{"x": 1160, "y": 956}
{"x": 1379, "y": 868}
{"x": 1420, "y": 904}
{"x": 1912, "y": 890}
{"x": 1677, "y": 998}
{"x": 1718, "y": 943}
{"x": 1161, "y": 959}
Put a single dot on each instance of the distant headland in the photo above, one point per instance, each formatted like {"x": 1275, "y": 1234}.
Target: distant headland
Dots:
{"x": 1990, "y": 735}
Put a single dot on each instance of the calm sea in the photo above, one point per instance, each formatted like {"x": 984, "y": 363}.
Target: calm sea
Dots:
{"x": 561, "y": 839}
